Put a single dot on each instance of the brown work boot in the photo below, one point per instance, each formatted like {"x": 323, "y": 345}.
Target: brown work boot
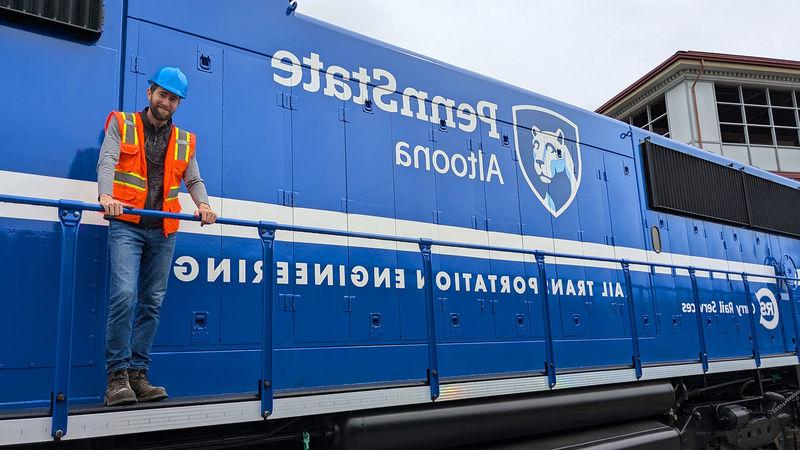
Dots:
{"x": 145, "y": 392}
{"x": 119, "y": 390}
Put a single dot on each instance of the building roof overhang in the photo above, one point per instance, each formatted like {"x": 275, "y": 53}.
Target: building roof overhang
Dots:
{"x": 708, "y": 61}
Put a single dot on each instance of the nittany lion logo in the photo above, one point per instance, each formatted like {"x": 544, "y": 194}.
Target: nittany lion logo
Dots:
{"x": 549, "y": 154}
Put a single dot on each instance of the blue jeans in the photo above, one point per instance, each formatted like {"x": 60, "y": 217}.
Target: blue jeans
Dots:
{"x": 139, "y": 260}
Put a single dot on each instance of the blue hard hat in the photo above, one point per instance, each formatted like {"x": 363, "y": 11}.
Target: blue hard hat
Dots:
{"x": 171, "y": 79}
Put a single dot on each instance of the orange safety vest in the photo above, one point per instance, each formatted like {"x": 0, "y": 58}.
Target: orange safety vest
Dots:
{"x": 130, "y": 174}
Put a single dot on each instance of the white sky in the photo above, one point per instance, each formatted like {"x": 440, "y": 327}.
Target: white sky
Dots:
{"x": 579, "y": 51}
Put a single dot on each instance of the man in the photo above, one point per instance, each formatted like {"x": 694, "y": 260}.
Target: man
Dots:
{"x": 142, "y": 161}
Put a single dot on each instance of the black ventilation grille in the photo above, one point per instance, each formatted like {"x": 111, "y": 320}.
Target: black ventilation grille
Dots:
{"x": 692, "y": 186}
{"x": 773, "y": 206}
{"x": 82, "y": 18}
{"x": 686, "y": 184}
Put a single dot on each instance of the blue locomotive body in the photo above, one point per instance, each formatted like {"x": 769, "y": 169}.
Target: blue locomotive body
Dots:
{"x": 303, "y": 124}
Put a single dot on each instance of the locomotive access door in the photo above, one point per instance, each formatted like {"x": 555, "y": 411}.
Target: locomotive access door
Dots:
{"x": 513, "y": 312}
{"x": 535, "y": 225}
{"x": 596, "y": 239}
{"x": 705, "y": 243}
{"x": 731, "y": 293}
{"x": 767, "y": 250}
{"x": 719, "y": 329}
{"x": 190, "y": 313}
{"x": 374, "y": 308}
{"x": 672, "y": 292}
{"x": 256, "y": 174}
{"x": 321, "y": 314}
{"x": 468, "y": 309}
{"x": 626, "y": 225}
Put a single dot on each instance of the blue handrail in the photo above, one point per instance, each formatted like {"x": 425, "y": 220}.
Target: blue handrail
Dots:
{"x": 70, "y": 212}
{"x": 82, "y": 206}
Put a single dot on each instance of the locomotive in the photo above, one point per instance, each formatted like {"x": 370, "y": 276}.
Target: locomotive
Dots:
{"x": 409, "y": 255}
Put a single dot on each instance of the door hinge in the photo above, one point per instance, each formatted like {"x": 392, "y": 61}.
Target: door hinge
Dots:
{"x": 289, "y": 302}
{"x": 343, "y": 115}
{"x": 286, "y": 101}
{"x": 347, "y": 302}
{"x": 288, "y": 198}
{"x": 137, "y": 64}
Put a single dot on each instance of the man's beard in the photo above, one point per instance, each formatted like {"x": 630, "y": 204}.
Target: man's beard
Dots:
{"x": 159, "y": 114}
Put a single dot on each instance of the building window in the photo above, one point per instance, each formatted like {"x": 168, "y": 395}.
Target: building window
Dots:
{"x": 652, "y": 118}
{"x": 757, "y": 116}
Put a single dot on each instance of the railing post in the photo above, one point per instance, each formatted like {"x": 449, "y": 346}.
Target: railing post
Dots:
{"x": 789, "y": 290}
{"x": 549, "y": 365}
{"x": 266, "y": 231}
{"x": 701, "y": 330}
{"x": 433, "y": 362}
{"x": 751, "y": 310}
{"x": 70, "y": 218}
{"x": 637, "y": 358}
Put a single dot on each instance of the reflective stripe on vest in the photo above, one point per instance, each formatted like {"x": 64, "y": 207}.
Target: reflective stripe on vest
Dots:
{"x": 130, "y": 179}
{"x": 129, "y": 135}
{"x": 181, "y": 145}
{"x": 173, "y": 192}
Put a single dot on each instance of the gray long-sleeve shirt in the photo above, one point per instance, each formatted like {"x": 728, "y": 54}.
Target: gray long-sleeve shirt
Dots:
{"x": 109, "y": 158}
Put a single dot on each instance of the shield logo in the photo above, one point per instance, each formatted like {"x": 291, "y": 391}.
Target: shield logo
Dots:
{"x": 549, "y": 155}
